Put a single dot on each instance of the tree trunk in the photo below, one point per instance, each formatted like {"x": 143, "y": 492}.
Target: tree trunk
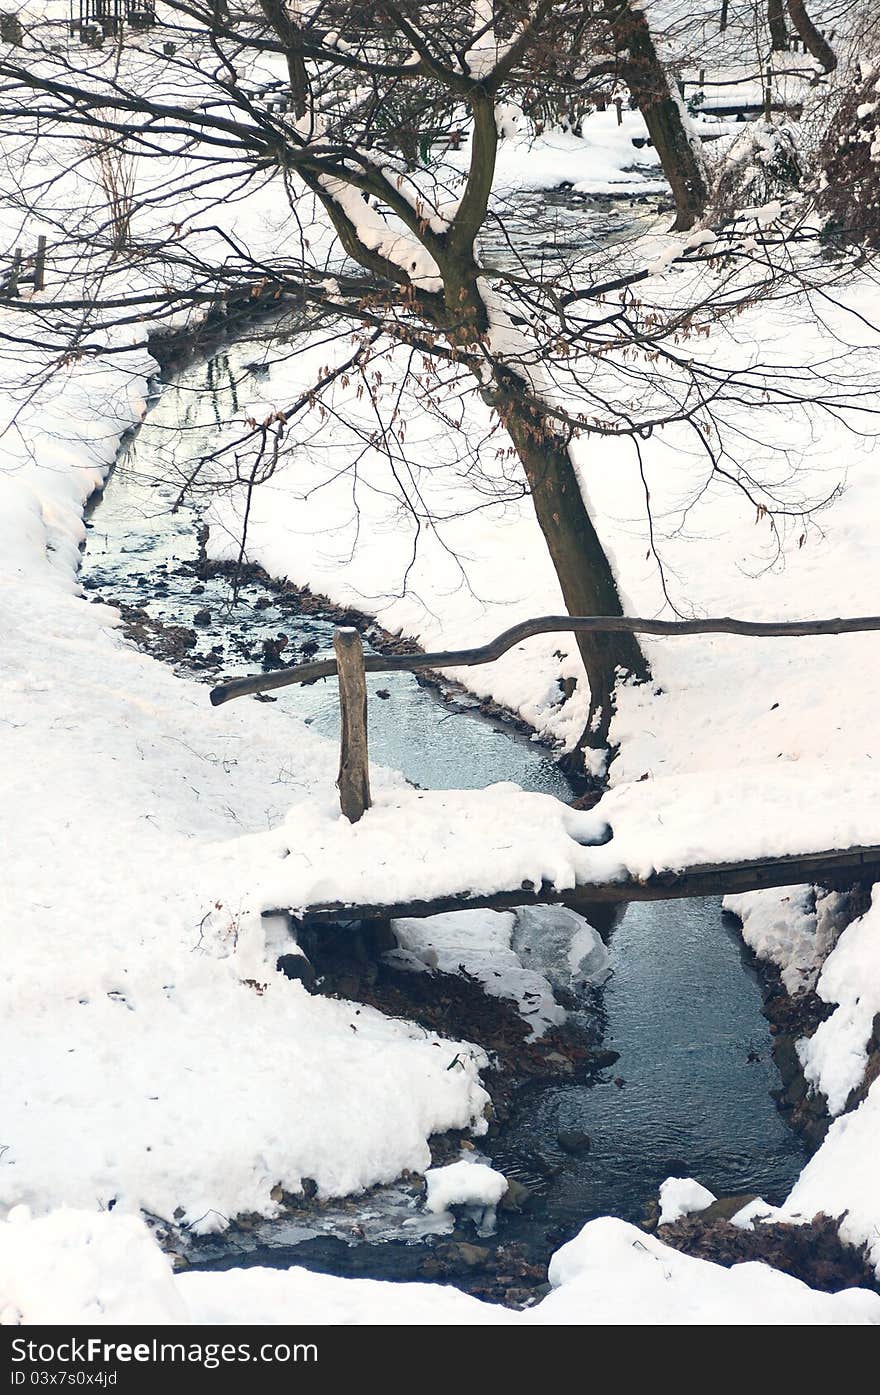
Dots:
{"x": 661, "y": 106}
{"x": 584, "y": 572}
{"x": 814, "y": 42}
{"x": 777, "y": 25}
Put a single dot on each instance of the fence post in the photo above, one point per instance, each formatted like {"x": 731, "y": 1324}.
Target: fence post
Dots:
{"x": 12, "y": 280}
{"x": 354, "y": 760}
{"x": 40, "y": 264}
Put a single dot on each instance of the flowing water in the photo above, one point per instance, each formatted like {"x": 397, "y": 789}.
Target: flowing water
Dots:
{"x": 690, "y": 1093}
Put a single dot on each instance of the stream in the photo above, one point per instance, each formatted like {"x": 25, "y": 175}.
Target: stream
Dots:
{"x": 690, "y": 1092}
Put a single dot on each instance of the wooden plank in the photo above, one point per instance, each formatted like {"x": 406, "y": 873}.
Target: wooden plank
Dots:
{"x": 839, "y": 866}
{"x": 354, "y": 761}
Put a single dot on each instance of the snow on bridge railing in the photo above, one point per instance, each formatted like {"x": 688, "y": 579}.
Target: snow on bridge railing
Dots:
{"x": 351, "y": 665}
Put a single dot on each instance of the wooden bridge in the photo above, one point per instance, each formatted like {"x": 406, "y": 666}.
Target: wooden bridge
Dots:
{"x": 599, "y": 880}
{"x": 835, "y": 869}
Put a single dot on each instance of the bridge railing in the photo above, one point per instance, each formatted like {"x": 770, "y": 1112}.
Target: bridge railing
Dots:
{"x": 351, "y": 666}
{"x": 24, "y": 271}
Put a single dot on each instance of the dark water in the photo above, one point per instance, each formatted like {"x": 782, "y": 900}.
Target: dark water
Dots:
{"x": 552, "y": 230}
{"x": 683, "y": 1009}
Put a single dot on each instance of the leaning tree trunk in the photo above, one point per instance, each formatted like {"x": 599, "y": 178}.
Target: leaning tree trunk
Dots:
{"x": 814, "y": 42}
{"x": 582, "y": 567}
{"x": 777, "y": 25}
{"x": 661, "y": 106}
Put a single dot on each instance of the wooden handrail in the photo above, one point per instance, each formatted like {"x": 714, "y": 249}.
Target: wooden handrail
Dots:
{"x": 543, "y": 624}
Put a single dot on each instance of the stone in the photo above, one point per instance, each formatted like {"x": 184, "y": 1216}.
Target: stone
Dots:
{"x": 726, "y": 1207}
{"x": 462, "y": 1254}
{"x": 298, "y": 967}
{"x": 516, "y": 1198}
{"x": 573, "y": 1141}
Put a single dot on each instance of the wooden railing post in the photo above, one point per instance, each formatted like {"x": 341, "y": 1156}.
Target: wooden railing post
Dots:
{"x": 354, "y": 760}
{"x": 40, "y": 264}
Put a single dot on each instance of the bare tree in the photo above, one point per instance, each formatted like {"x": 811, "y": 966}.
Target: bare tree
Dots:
{"x": 219, "y": 102}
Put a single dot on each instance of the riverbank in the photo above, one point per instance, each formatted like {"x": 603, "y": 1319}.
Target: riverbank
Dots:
{"x": 142, "y": 993}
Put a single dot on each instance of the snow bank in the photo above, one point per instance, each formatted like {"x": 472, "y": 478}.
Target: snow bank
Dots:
{"x": 601, "y": 161}
{"x": 612, "y": 1272}
{"x": 559, "y": 942}
{"x": 793, "y": 928}
{"x": 841, "y": 1179}
{"x": 835, "y": 1056}
{"x": 81, "y": 1268}
{"x": 479, "y": 942}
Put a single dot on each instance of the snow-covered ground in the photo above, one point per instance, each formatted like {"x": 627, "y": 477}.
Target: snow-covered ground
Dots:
{"x": 732, "y": 728}
{"x": 82, "y": 1268}
{"x": 152, "y": 1057}
{"x": 156, "y": 1060}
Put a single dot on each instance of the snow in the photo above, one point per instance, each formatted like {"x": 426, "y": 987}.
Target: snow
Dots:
{"x": 682, "y": 1196}
{"x": 422, "y": 845}
{"x": 83, "y": 1268}
{"x": 841, "y": 1179}
{"x": 603, "y": 160}
{"x": 486, "y": 51}
{"x": 463, "y": 1183}
{"x": 160, "y": 1061}
{"x": 612, "y": 1267}
{"x": 835, "y": 1056}
{"x": 793, "y": 928}
{"x": 804, "y": 939}
{"x": 758, "y": 1211}
{"x": 152, "y": 1057}
{"x": 803, "y": 935}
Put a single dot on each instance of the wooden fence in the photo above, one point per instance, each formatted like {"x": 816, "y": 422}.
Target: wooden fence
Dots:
{"x": 24, "y": 271}
{"x": 351, "y": 666}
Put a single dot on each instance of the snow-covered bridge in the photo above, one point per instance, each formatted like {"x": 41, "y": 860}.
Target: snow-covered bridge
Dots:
{"x": 423, "y": 852}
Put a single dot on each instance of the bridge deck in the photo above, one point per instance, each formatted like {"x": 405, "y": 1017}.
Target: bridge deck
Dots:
{"x": 831, "y": 868}
{"x": 426, "y": 852}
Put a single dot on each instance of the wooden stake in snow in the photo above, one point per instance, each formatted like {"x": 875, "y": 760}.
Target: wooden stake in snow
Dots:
{"x": 354, "y": 760}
